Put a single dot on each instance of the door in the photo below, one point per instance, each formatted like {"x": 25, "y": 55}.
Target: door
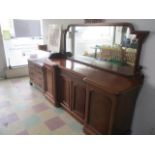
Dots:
{"x": 98, "y": 111}
{"x": 78, "y": 98}
{"x": 65, "y": 94}
{"x": 18, "y": 45}
{"x": 50, "y": 83}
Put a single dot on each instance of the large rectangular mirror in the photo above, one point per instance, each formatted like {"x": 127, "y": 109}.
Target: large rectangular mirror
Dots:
{"x": 112, "y": 47}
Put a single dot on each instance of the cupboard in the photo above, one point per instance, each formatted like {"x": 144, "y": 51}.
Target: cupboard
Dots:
{"x": 100, "y": 82}
{"x": 103, "y": 102}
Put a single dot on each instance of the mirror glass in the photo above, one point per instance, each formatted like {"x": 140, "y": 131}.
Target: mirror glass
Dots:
{"x": 110, "y": 47}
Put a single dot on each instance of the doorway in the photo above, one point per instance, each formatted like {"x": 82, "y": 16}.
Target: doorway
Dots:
{"x": 20, "y": 38}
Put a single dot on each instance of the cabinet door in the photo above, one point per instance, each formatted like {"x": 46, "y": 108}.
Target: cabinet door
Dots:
{"x": 98, "y": 112}
{"x": 78, "y": 99}
{"x": 50, "y": 84}
{"x": 65, "y": 91}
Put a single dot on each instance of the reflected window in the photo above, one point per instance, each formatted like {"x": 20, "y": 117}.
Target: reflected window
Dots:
{"x": 113, "y": 44}
{"x": 87, "y": 38}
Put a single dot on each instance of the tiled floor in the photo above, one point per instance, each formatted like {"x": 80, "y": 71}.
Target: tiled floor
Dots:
{"x": 24, "y": 110}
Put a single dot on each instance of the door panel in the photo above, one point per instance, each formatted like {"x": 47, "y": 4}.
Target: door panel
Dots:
{"x": 79, "y": 99}
{"x": 50, "y": 84}
{"x": 65, "y": 91}
{"x": 99, "y": 111}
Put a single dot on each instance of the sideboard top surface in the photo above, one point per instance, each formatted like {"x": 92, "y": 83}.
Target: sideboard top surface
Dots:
{"x": 111, "y": 83}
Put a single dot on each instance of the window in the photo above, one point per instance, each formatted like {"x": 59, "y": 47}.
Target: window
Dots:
{"x": 21, "y": 38}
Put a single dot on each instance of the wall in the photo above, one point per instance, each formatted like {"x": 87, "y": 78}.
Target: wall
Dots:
{"x": 63, "y": 22}
{"x": 144, "y": 117}
{"x": 2, "y": 57}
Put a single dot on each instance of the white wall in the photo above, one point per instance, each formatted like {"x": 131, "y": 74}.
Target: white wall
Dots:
{"x": 2, "y": 57}
{"x": 144, "y": 117}
{"x": 63, "y": 22}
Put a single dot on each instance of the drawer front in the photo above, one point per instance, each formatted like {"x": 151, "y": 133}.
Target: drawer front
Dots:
{"x": 36, "y": 74}
{"x": 38, "y": 70}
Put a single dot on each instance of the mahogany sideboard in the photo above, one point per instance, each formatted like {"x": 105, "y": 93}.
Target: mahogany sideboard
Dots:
{"x": 100, "y": 89}
{"x": 102, "y": 101}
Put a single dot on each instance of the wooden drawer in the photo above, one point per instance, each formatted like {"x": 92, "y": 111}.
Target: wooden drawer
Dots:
{"x": 36, "y": 74}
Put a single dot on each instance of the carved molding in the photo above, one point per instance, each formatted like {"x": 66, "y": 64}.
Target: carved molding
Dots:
{"x": 94, "y": 20}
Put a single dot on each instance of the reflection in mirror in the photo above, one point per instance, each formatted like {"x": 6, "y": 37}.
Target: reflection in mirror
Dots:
{"x": 113, "y": 44}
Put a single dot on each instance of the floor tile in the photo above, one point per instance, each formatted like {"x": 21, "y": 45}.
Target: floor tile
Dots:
{"x": 4, "y": 104}
{"x": 55, "y": 123}
{"x": 40, "y": 107}
{"x": 66, "y": 117}
{"x": 65, "y": 130}
{"x": 14, "y": 128}
{"x": 21, "y": 106}
{"x": 46, "y": 115}
{"x": 40, "y": 129}
{"x": 24, "y": 132}
{"x": 31, "y": 121}
{"x": 24, "y": 113}
{"x": 6, "y": 120}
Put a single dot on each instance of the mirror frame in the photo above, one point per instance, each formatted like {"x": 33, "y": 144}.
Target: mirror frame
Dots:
{"x": 141, "y": 36}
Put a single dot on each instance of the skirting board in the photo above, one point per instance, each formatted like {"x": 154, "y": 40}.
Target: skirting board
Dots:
{"x": 17, "y": 72}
